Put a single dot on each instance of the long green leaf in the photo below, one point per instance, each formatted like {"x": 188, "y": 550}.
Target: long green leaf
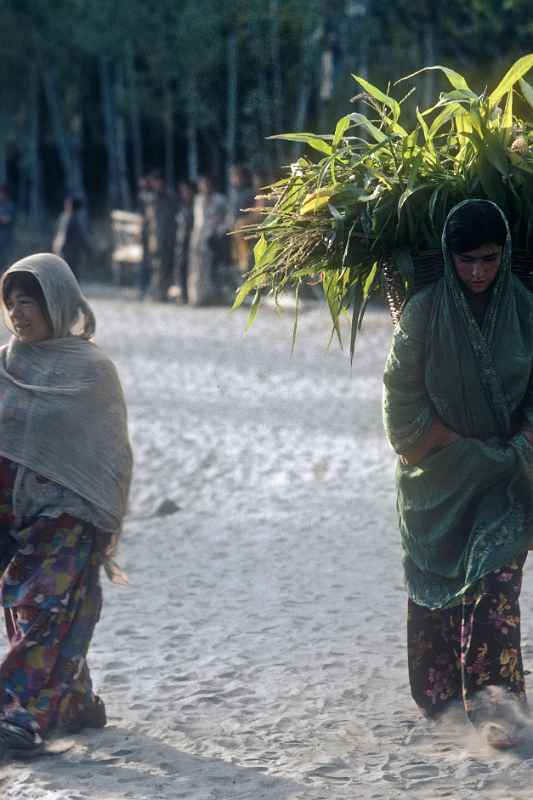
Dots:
{"x": 311, "y": 139}
{"x": 455, "y": 78}
{"x": 517, "y": 71}
{"x": 507, "y": 118}
{"x": 296, "y": 316}
{"x": 447, "y": 114}
{"x": 377, "y": 94}
{"x": 362, "y": 121}
{"x": 342, "y": 126}
{"x": 253, "y": 310}
{"x": 527, "y": 91}
{"x": 357, "y": 302}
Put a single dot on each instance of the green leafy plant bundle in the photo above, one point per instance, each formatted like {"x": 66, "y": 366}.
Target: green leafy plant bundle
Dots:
{"x": 381, "y": 189}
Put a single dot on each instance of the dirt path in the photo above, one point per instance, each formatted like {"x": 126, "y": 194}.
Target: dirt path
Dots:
{"x": 259, "y": 649}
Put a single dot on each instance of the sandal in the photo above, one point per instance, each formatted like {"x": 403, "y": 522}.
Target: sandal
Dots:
{"x": 92, "y": 715}
{"x": 20, "y": 743}
{"x": 500, "y": 736}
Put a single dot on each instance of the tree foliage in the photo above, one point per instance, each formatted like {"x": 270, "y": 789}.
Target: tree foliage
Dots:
{"x": 147, "y": 84}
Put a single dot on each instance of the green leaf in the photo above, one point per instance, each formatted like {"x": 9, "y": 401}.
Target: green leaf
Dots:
{"x": 296, "y": 316}
{"x": 362, "y": 121}
{"x": 342, "y": 126}
{"x": 527, "y": 91}
{"x": 456, "y": 80}
{"x": 517, "y": 71}
{"x": 367, "y": 288}
{"x": 358, "y": 300}
{"x": 507, "y": 119}
{"x": 447, "y": 114}
{"x": 311, "y": 139}
{"x": 377, "y": 94}
{"x": 423, "y": 124}
{"x": 253, "y": 310}
{"x": 260, "y": 248}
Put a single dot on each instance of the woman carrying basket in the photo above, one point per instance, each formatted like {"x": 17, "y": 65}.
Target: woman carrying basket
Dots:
{"x": 458, "y": 409}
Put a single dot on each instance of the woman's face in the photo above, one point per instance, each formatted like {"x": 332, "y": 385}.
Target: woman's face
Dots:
{"x": 478, "y": 268}
{"x": 28, "y": 321}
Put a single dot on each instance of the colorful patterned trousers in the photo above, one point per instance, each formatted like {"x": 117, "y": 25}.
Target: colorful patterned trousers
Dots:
{"x": 51, "y": 595}
{"x": 456, "y": 653}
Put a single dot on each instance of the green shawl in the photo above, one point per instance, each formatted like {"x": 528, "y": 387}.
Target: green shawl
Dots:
{"x": 465, "y": 509}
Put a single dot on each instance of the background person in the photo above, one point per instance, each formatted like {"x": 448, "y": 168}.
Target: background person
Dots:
{"x": 160, "y": 210}
{"x": 209, "y": 242}
{"x": 72, "y": 241}
{"x": 184, "y": 224}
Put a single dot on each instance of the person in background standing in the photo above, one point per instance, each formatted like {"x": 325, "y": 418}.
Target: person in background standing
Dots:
{"x": 7, "y": 227}
{"x": 241, "y": 196}
{"x": 210, "y": 226}
{"x": 144, "y": 200}
{"x": 160, "y": 219}
{"x": 184, "y": 224}
{"x": 72, "y": 241}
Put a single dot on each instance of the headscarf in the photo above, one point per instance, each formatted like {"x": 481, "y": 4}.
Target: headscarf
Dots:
{"x": 62, "y": 409}
{"x": 466, "y": 509}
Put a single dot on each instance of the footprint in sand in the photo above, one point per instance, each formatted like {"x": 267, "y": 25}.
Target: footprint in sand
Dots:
{"x": 419, "y": 773}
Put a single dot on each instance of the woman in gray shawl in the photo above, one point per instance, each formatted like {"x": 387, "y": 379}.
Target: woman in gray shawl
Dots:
{"x": 65, "y": 468}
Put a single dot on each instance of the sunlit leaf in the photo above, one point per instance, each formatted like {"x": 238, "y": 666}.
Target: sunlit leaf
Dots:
{"x": 360, "y": 119}
{"x": 377, "y": 94}
{"x": 455, "y": 78}
{"x": 342, "y": 126}
{"x": 517, "y": 71}
{"x": 311, "y": 139}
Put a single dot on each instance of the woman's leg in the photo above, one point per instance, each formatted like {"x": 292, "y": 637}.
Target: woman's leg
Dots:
{"x": 491, "y": 651}
{"x": 52, "y": 593}
{"x": 433, "y": 648}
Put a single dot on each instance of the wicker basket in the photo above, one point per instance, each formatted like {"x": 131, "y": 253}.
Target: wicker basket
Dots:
{"x": 428, "y": 267}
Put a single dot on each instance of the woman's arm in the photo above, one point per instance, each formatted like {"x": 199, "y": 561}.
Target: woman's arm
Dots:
{"x": 412, "y": 427}
{"x": 437, "y": 436}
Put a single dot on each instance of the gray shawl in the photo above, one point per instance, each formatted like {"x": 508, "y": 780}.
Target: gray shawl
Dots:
{"x": 62, "y": 410}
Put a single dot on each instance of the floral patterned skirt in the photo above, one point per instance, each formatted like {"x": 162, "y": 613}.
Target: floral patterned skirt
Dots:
{"x": 51, "y": 595}
{"x": 456, "y": 653}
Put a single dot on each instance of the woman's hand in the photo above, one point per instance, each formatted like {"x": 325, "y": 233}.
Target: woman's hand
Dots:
{"x": 438, "y": 436}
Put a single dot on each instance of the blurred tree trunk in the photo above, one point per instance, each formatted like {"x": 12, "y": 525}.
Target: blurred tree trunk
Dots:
{"x": 277, "y": 85}
{"x": 75, "y": 146}
{"x": 106, "y": 87}
{"x": 264, "y": 106}
{"x": 232, "y": 66}
{"x": 168, "y": 121}
{"x": 192, "y": 131}
{"x": 5, "y": 121}
{"x": 68, "y": 139}
{"x": 34, "y": 162}
{"x": 135, "y": 117}
{"x": 311, "y": 41}
{"x": 120, "y": 138}
{"x": 429, "y": 59}
{"x": 58, "y": 127}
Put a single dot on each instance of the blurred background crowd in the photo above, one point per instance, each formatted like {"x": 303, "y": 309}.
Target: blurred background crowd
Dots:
{"x": 147, "y": 122}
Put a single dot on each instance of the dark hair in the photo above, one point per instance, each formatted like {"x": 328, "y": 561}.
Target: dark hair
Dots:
{"x": 27, "y": 283}
{"x": 473, "y": 225}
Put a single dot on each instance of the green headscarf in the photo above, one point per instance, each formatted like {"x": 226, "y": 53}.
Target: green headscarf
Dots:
{"x": 466, "y": 509}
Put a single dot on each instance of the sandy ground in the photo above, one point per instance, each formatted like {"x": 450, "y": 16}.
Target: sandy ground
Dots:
{"x": 259, "y": 650}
